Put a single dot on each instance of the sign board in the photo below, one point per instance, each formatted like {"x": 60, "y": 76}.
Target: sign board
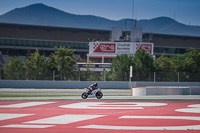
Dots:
{"x": 124, "y": 48}
{"x": 104, "y": 47}
{"x": 119, "y": 47}
{"x": 85, "y": 65}
{"x": 145, "y": 46}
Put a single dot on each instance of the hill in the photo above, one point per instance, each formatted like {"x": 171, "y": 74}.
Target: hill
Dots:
{"x": 40, "y": 14}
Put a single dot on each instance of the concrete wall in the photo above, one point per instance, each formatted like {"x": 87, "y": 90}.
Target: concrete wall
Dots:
{"x": 60, "y": 84}
{"x": 161, "y": 91}
{"x": 195, "y": 86}
{"x": 167, "y": 84}
{"x": 83, "y": 84}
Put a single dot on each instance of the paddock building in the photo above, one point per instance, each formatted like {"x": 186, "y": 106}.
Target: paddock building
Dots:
{"x": 19, "y": 39}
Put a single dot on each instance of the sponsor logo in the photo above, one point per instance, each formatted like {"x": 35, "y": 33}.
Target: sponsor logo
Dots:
{"x": 104, "y": 47}
{"x": 147, "y": 47}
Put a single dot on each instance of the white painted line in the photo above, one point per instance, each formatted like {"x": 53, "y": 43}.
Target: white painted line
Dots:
{"x": 193, "y": 127}
{"x": 194, "y": 108}
{"x": 65, "y": 119}
{"x": 139, "y": 104}
{"x": 99, "y": 105}
{"x": 111, "y": 105}
{"x": 194, "y": 105}
{"x": 22, "y": 105}
{"x": 161, "y": 117}
{"x": 5, "y": 116}
{"x": 189, "y": 110}
{"x": 27, "y": 126}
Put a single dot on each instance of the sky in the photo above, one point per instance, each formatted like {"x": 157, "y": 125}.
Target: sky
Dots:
{"x": 183, "y": 11}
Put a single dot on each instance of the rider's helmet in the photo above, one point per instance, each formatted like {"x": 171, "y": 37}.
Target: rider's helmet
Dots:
{"x": 95, "y": 84}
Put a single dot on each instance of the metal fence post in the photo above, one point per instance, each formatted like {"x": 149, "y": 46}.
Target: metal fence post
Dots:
{"x": 178, "y": 76}
{"x": 53, "y": 75}
{"x": 79, "y": 74}
{"x": 105, "y": 75}
{"x": 154, "y": 76}
{"x": 0, "y": 74}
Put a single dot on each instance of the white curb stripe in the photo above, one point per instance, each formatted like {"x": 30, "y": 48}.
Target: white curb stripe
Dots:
{"x": 5, "y": 116}
{"x": 27, "y": 126}
{"x": 162, "y": 117}
{"x": 193, "y": 127}
{"x": 22, "y": 105}
{"x": 65, "y": 119}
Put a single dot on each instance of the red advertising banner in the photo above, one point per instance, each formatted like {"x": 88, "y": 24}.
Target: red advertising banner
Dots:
{"x": 147, "y": 47}
{"x": 104, "y": 47}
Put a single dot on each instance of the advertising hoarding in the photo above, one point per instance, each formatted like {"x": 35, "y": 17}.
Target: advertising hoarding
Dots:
{"x": 119, "y": 47}
{"x": 104, "y": 47}
{"x": 146, "y": 46}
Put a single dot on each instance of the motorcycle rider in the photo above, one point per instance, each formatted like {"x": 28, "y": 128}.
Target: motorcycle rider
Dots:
{"x": 92, "y": 87}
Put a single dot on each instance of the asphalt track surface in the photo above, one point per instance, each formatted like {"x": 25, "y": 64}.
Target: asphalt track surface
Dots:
{"x": 62, "y": 91}
{"x": 108, "y": 116}
{"x": 111, "y": 114}
{"x": 75, "y": 94}
{"x": 109, "y": 94}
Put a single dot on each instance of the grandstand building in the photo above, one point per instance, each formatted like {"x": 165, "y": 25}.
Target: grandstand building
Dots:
{"x": 18, "y": 39}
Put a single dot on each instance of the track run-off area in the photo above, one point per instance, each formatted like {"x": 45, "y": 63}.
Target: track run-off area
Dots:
{"x": 99, "y": 116}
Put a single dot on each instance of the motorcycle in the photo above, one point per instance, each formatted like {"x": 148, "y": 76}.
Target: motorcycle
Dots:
{"x": 95, "y": 93}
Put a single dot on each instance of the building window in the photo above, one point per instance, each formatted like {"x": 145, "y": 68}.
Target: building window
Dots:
{"x": 108, "y": 60}
{"x": 96, "y": 60}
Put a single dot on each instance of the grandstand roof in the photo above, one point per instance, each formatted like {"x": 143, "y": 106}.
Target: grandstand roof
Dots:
{"x": 40, "y": 32}
{"x": 10, "y": 30}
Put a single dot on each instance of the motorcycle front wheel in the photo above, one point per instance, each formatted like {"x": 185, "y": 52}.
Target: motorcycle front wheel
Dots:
{"x": 99, "y": 95}
{"x": 84, "y": 95}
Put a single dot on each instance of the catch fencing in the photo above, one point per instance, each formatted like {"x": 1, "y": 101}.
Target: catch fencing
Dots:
{"x": 102, "y": 76}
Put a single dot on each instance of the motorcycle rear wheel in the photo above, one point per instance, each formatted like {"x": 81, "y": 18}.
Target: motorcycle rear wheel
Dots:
{"x": 84, "y": 95}
{"x": 99, "y": 95}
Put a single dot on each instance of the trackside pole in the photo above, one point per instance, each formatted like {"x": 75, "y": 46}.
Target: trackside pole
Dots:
{"x": 178, "y": 76}
{"x": 131, "y": 69}
{"x": 53, "y": 75}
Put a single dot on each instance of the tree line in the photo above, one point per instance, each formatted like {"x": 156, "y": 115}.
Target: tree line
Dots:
{"x": 186, "y": 67}
{"x": 37, "y": 66}
{"x": 60, "y": 65}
